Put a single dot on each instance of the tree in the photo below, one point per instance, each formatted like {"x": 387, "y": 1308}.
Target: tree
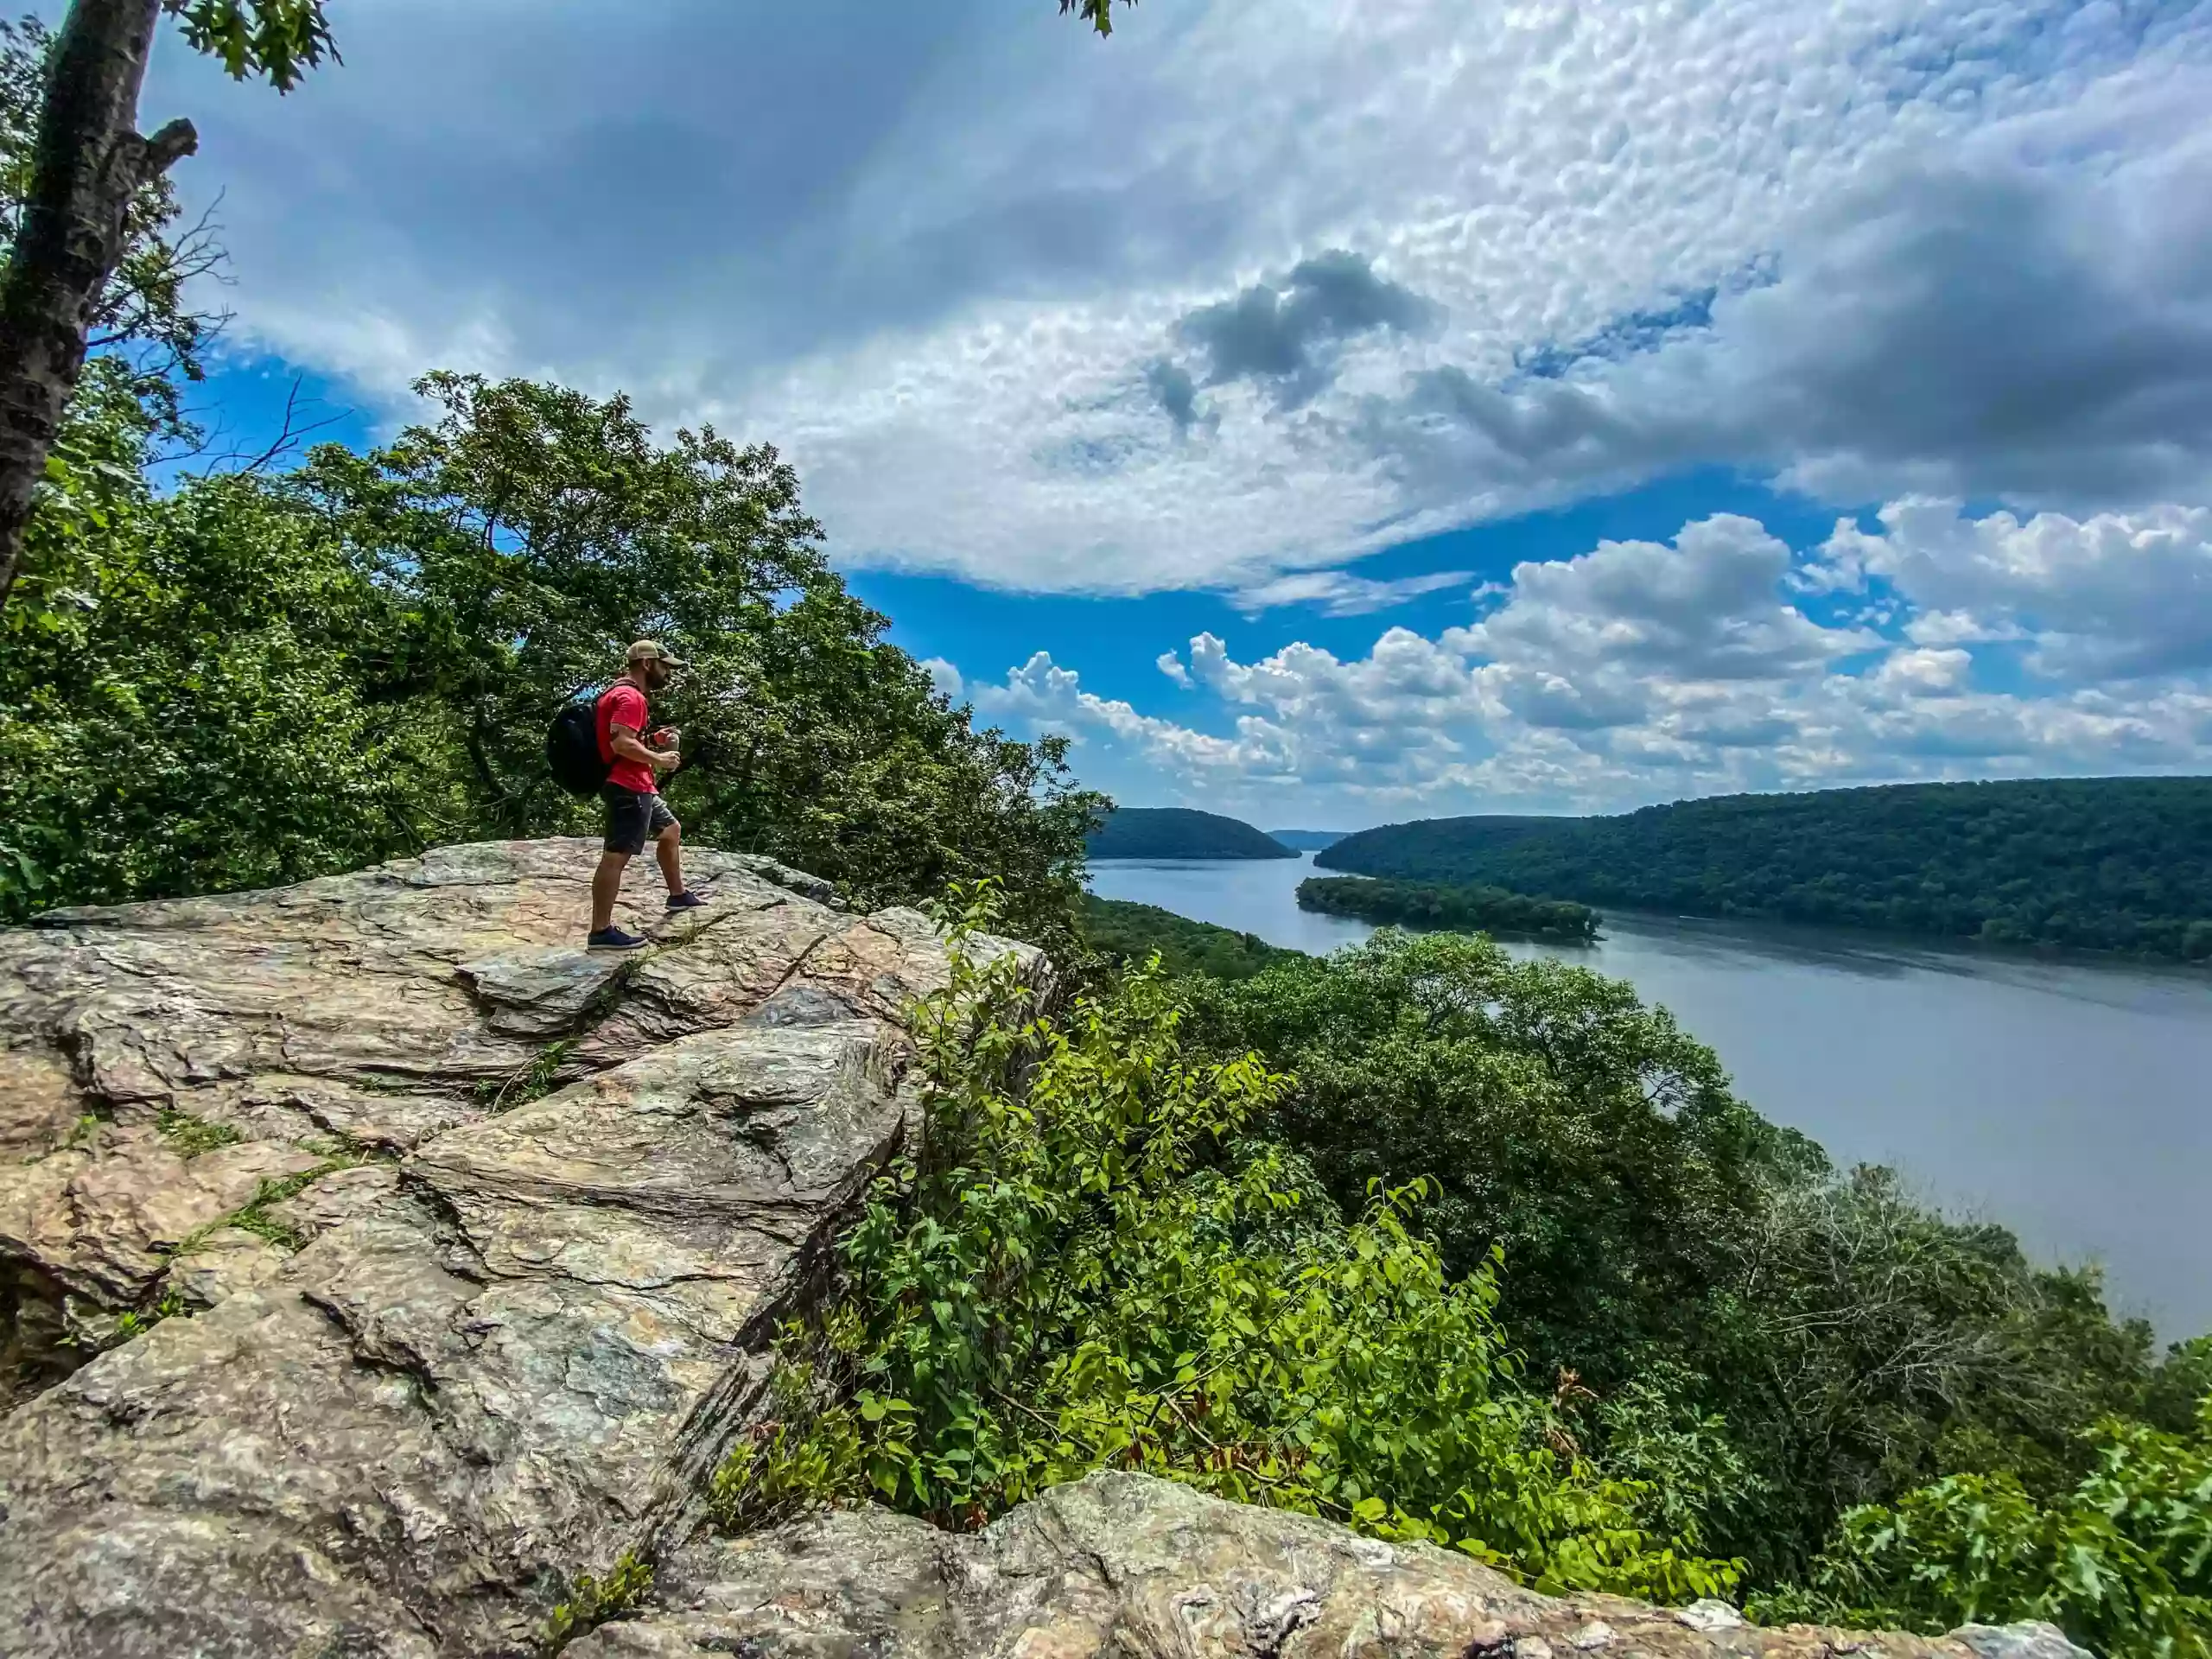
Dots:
{"x": 193, "y": 689}
{"x": 90, "y": 169}
{"x": 141, "y": 318}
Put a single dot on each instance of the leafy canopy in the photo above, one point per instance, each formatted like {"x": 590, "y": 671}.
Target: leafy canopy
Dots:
{"x": 2122, "y": 1563}
{"x": 276, "y": 40}
{"x": 1083, "y": 1263}
{"x": 256, "y": 679}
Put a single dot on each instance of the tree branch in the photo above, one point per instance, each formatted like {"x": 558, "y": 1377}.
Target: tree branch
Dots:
{"x": 171, "y": 143}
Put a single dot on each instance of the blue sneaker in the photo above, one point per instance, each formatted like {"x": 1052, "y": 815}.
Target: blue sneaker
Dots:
{"x": 613, "y": 938}
{"x": 686, "y": 899}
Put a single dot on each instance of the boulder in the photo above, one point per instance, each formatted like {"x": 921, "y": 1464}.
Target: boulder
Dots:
{"x": 1125, "y": 1564}
{"x": 549, "y": 1207}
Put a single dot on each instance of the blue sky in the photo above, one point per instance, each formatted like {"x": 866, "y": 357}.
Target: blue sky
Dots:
{"x": 1357, "y": 409}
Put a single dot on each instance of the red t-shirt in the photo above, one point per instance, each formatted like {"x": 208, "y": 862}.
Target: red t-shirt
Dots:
{"x": 624, "y": 704}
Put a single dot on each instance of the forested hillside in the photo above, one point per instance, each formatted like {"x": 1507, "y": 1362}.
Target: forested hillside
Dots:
{"x": 1131, "y": 933}
{"x": 1179, "y": 832}
{"x": 2096, "y": 863}
{"x": 1878, "y": 1411}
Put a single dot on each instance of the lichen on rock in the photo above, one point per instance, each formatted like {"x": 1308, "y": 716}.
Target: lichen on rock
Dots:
{"x": 491, "y": 1370}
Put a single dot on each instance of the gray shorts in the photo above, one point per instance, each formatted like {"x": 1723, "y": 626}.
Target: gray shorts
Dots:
{"x": 632, "y": 818}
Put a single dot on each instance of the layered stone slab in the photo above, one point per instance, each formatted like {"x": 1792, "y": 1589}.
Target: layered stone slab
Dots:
{"x": 496, "y": 1363}
{"x": 1125, "y": 1564}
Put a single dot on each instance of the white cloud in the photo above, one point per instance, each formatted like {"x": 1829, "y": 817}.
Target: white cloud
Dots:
{"x": 1709, "y": 607}
{"x": 1338, "y": 593}
{"x": 2114, "y": 595}
{"x": 1950, "y": 245}
{"x": 1644, "y": 670}
{"x": 944, "y": 676}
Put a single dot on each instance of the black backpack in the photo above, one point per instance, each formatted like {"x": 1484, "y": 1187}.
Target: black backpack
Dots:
{"x": 572, "y": 748}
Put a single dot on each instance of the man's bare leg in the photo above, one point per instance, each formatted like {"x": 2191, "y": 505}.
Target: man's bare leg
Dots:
{"x": 607, "y": 887}
{"x": 668, "y": 847}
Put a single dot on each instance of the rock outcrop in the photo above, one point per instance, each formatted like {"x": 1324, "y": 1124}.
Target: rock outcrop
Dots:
{"x": 444, "y": 1255}
{"x": 377, "y": 1270}
{"x": 1125, "y": 1564}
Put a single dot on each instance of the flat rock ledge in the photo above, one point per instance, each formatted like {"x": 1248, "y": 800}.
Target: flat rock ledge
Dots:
{"x": 375, "y": 1263}
{"x": 1127, "y": 1566}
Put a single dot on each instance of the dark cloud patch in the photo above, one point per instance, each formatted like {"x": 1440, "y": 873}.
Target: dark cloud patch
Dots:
{"x": 1286, "y": 338}
{"x": 1172, "y": 387}
{"x": 1985, "y": 333}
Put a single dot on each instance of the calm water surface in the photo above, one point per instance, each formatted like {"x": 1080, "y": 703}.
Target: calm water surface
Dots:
{"x": 2070, "y": 1100}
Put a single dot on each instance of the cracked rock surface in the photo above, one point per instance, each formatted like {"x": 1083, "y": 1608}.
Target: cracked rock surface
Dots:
{"x": 376, "y": 1261}
{"x": 1128, "y": 1566}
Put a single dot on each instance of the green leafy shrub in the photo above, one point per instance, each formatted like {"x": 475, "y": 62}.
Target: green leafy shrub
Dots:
{"x": 1083, "y": 1262}
{"x": 2123, "y": 1563}
{"x": 1126, "y": 932}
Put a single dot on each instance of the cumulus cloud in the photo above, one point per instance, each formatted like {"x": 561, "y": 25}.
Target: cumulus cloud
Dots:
{"x": 944, "y": 676}
{"x": 969, "y": 272}
{"x": 2111, "y": 596}
{"x": 1706, "y": 608}
{"x": 1643, "y": 670}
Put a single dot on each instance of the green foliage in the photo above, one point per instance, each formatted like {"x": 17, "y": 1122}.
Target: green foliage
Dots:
{"x": 253, "y": 1215}
{"x": 1130, "y": 933}
{"x": 2122, "y": 1563}
{"x": 138, "y": 1321}
{"x": 1770, "y": 1342}
{"x": 1083, "y": 1263}
{"x": 2097, "y": 863}
{"x": 1870, "y": 1345}
{"x": 529, "y": 1083}
{"x": 1179, "y": 832}
{"x": 254, "y": 680}
{"x": 1553, "y": 1113}
{"x": 188, "y": 690}
{"x": 595, "y": 1601}
{"x": 2183, "y": 1378}
{"x": 1099, "y": 14}
{"x": 189, "y": 1136}
{"x": 1429, "y": 906}
{"x": 276, "y": 40}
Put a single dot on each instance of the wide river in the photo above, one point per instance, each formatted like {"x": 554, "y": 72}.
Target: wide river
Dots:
{"x": 2070, "y": 1100}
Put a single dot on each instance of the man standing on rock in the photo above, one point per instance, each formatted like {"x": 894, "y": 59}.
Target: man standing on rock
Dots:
{"x": 635, "y": 811}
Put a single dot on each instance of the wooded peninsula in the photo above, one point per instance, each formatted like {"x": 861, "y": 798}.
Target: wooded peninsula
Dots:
{"x": 1431, "y": 905}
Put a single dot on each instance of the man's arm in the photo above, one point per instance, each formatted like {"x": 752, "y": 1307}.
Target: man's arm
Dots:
{"x": 627, "y": 745}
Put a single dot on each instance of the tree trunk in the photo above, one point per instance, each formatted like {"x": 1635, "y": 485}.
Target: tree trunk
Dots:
{"x": 89, "y": 163}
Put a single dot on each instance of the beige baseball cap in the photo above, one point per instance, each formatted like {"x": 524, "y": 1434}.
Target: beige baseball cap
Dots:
{"x": 650, "y": 650}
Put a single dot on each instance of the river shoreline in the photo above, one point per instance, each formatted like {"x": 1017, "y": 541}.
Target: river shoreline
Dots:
{"x": 2059, "y": 1093}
